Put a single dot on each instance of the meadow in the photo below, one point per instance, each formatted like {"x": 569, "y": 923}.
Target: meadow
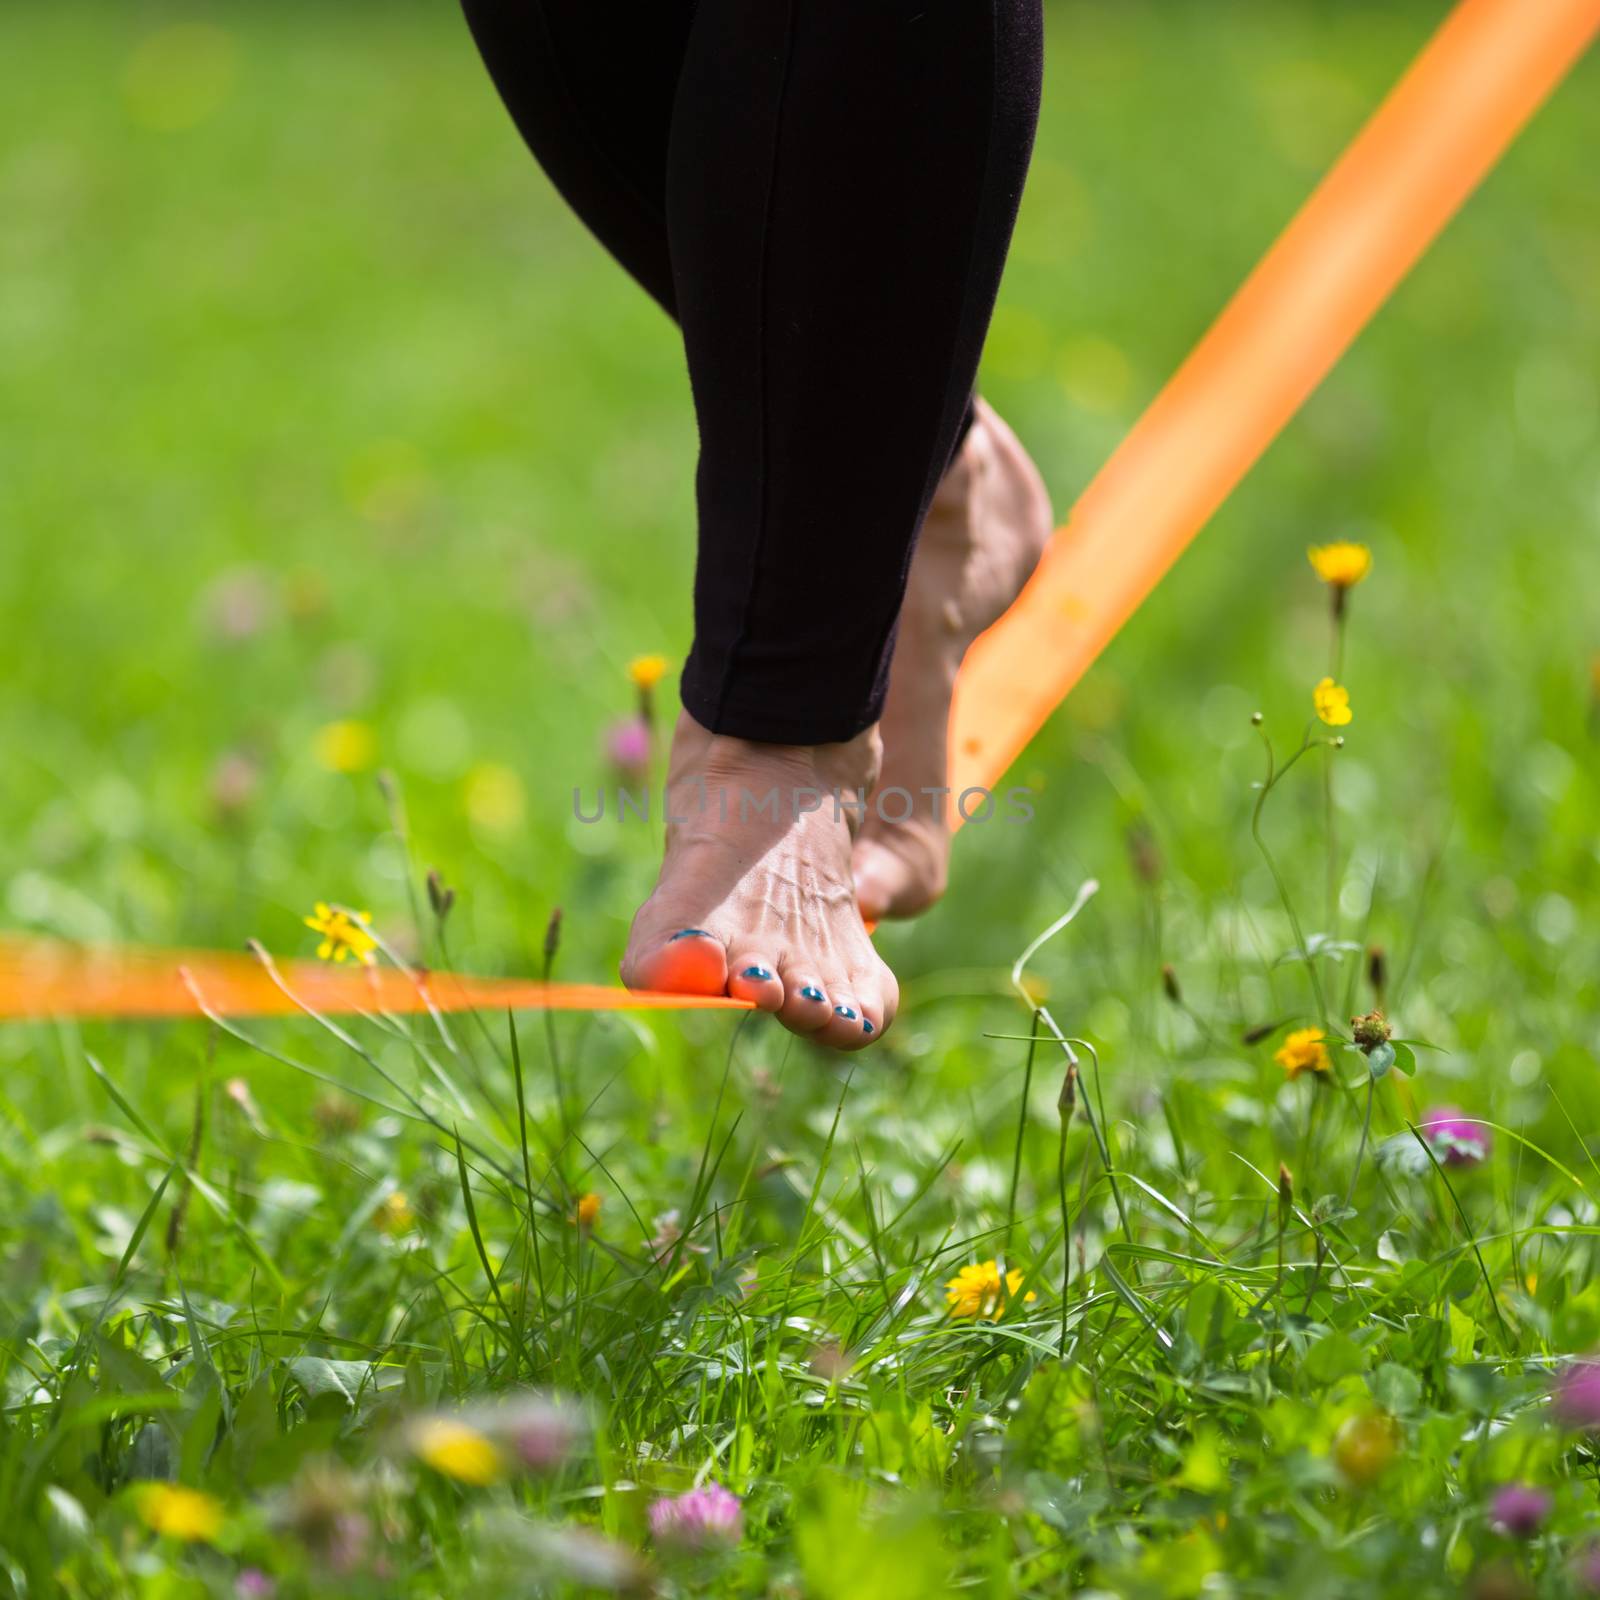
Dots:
{"x": 341, "y": 478}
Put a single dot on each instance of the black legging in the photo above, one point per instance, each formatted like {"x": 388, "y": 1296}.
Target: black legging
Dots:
{"x": 822, "y": 193}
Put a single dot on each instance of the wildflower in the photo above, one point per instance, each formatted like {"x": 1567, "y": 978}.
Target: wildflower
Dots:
{"x": 1371, "y": 1030}
{"x": 234, "y": 782}
{"x": 178, "y": 1513}
{"x": 979, "y": 1291}
{"x": 239, "y": 604}
{"x": 1518, "y": 1510}
{"x": 394, "y": 1213}
{"x": 1576, "y": 1402}
{"x": 342, "y": 934}
{"x": 455, "y": 1450}
{"x": 536, "y": 1430}
{"x": 628, "y": 748}
{"x": 1342, "y": 564}
{"x": 254, "y": 1584}
{"x": 345, "y": 746}
{"x": 336, "y": 1114}
{"x": 1364, "y": 1446}
{"x": 1586, "y": 1569}
{"x": 698, "y": 1520}
{"x": 1332, "y": 702}
{"x": 669, "y": 1230}
{"x": 324, "y": 1512}
{"x": 1457, "y": 1140}
{"x": 587, "y": 1211}
{"x": 1303, "y": 1051}
{"x": 645, "y": 672}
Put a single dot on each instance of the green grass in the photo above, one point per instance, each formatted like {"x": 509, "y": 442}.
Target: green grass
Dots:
{"x": 329, "y": 360}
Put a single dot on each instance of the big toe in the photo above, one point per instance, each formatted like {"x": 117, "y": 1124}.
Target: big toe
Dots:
{"x": 690, "y": 961}
{"x": 896, "y": 882}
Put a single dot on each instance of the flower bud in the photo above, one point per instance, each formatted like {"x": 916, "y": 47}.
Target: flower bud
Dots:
{"x": 552, "y": 936}
{"x": 1377, "y": 971}
{"x": 1169, "y": 984}
{"x": 1371, "y": 1030}
{"x": 1068, "y": 1098}
{"x": 440, "y": 896}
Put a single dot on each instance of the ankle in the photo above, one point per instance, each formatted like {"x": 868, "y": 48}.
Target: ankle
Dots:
{"x": 723, "y": 761}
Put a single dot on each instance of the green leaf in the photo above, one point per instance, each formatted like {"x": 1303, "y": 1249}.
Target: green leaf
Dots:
{"x": 318, "y": 1375}
{"x": 1397, "y": 1389}
{"x": 1334, "y": 1356}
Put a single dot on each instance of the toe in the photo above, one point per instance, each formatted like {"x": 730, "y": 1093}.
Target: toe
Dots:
{"x": 900, "y": 880}
{"x": 754, "y": 977}
{"x": 690, "y": 961}
{"x": 879, "y": 996}
{"x": 847, "y": 1027}
{"x": 879, "y": 879}
{"x": 806, "y": 1006}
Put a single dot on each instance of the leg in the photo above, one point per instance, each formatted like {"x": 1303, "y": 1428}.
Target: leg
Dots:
{"x": 842, "y": 182}
{"x": 591, "y": 88}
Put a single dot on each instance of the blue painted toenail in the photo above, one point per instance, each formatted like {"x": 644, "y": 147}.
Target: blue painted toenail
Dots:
{"x": 759, "y": 973}
{"x": 691, "y": 933}
{"x": 845, "y": 1012}
{"x": 812, "y": 992}
{"x": 866, "y": 1024}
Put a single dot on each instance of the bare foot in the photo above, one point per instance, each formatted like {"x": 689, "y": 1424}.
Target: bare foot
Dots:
{"x": 756, "y": 897}
{"x": 985, "y": 530}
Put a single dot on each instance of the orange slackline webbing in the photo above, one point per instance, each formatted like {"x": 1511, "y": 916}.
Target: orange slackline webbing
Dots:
{"x": 1443, "y": 126}
{"x": 40, "y": 978}
{"x": 1440, "y": 130}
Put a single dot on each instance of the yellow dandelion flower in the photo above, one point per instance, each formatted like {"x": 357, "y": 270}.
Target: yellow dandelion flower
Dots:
{"x": 979, "y": 1291}
{"x": 456, "y": 1451}
{"x": 588, "y": 1210}
{"x": 1332, "y": 701}
{"x": 1303, "y": 1051}
{"x": 342, "y": 933}
{"x": 178, "y": 1513}
{"x": 1341, "y": 565}
{"x": 394, "y": 1213}
{"x": 646, "y": 672}
{"x": 345, "y": 747}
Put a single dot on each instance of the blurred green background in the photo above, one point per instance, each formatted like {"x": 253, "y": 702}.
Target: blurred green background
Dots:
{"x": 330, "y": 443}
{"x": 317, "y": 408}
